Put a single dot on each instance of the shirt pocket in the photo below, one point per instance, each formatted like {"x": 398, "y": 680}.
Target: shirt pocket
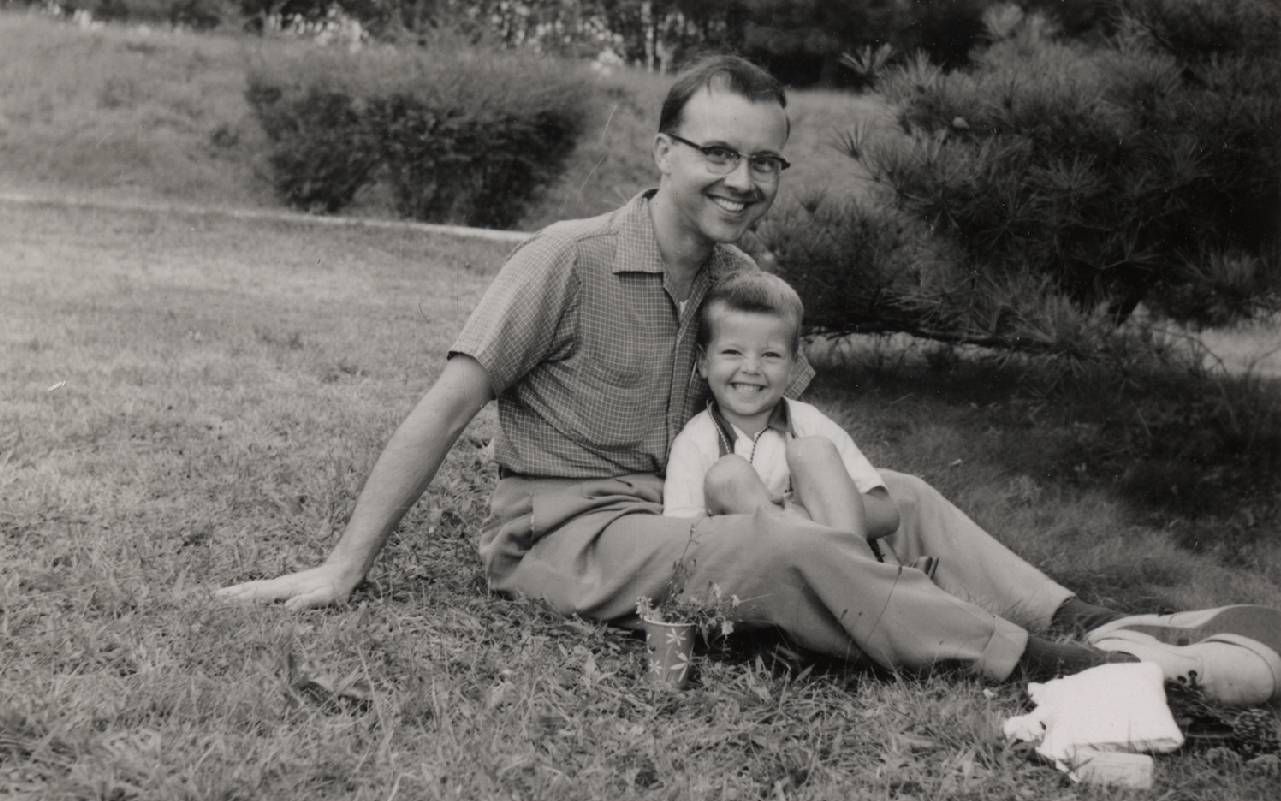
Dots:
{"x": 618, "y": 389}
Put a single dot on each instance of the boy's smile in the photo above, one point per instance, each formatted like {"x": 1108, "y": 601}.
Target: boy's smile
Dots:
{"x": 747, "y": 364}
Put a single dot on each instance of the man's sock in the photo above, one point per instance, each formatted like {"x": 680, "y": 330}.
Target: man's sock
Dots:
{"x": 1045, "y": 659}
{"x": 1078, "y": 617}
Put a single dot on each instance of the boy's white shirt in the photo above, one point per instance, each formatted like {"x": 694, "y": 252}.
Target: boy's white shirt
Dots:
{"x": 697, "y": 448}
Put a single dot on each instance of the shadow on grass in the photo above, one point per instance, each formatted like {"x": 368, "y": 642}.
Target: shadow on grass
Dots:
{"x": 1183, "y": 449}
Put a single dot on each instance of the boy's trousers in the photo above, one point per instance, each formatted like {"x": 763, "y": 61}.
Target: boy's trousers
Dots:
{"x": 592, "y": 547}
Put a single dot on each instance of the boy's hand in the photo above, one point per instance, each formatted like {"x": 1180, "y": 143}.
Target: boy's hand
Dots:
{"x": 306, "y": 589}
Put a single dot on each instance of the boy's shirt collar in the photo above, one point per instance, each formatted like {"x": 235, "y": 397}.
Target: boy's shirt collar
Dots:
{"x": 780, "y": 420}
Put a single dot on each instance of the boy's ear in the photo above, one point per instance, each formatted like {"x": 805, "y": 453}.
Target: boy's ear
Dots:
{"x": 701, "y": 362}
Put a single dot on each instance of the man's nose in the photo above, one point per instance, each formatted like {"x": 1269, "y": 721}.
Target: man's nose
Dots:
{"x": 740, "y": 177}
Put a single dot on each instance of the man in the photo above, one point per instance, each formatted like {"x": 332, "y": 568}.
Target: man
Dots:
{"x": 587, "y": 341}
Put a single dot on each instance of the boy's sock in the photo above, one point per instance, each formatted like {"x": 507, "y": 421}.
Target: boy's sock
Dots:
{"x": 1045, "y": 659}
{"x": 1078, "y": 617}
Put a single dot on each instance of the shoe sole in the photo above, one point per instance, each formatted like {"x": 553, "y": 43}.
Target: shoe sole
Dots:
{"x": 1252, "y": 621}
{"x": 1129, "y": 637}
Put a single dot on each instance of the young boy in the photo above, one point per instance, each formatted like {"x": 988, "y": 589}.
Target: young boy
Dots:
{"x": 751, "y": 447}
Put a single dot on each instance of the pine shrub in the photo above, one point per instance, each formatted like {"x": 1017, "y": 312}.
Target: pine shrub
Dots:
{"x": 1070, "y": 181}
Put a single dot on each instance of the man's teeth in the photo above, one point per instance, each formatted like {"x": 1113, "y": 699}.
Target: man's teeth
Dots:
{"x": 729, "y": 205}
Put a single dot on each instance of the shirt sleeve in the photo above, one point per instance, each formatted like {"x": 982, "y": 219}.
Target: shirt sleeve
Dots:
{"x": 516, "y": 324}
{"x": 857, "y": 465}
{"x": 802, "y": 375}
{"x": 687, "y": 466}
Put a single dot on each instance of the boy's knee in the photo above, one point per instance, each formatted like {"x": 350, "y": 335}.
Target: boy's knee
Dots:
{"x": 729, "y": 473}
{"x": 812, "y": 452}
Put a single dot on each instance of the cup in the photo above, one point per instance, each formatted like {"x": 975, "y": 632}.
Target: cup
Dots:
{"x": 670, "y": 648}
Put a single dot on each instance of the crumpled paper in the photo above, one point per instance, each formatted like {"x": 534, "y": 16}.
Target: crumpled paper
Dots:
{"x": 1108, "y": 708}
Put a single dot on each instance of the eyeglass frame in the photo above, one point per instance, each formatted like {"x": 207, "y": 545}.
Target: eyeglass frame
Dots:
{"x": 736, "y": 158}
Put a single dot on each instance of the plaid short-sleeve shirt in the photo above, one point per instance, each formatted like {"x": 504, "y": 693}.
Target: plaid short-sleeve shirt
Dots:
{"x": 591, "y": 357}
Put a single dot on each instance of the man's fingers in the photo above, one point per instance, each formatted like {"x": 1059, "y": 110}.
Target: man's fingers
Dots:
{"x": 268, "y": 590}
{"x": 321, "y": 596}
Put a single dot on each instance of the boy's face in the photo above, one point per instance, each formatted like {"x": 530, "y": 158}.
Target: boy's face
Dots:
{"x": 719, "y": 208}
{"x": 747, "y": 364}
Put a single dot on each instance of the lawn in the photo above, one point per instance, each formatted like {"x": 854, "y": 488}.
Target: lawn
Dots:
{"x": 191, "y": 401}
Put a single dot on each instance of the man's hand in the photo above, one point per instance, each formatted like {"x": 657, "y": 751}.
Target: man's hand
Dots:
{"x": 399, "y": 477}
{"x": 306, "y": 589}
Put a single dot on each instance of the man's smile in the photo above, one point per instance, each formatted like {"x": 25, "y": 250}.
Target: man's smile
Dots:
{"x": 729, "y": 205}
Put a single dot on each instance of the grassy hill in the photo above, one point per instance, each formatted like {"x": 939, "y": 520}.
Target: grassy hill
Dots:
{"x": 122, "y": 112}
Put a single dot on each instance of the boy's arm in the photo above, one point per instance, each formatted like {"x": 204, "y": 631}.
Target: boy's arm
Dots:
{"x": 880, "y": 512}
{"x": 686, "y": 470}
{"x": 407, "y": 464}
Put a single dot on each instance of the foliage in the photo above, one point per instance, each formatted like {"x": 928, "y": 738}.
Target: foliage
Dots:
{"x": 469, "y": 137}
{"x": 322, "y": 150}
{"x": 712, "y": 613}
{"x": 1067, "y": 183}
{"x": 462, "y": 136}
{"x": 197, "y": 14}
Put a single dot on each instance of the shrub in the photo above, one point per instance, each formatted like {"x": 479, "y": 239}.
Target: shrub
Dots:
{"x": 322, "y": 152}
{"x": 1070, "y": 182}
{"x": 463, "y": 136}
{"x": 197, "y": 14}
{"x": 470, "y": 137}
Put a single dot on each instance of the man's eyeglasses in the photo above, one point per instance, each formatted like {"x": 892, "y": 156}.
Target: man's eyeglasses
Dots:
{"x": 723, "y": 160}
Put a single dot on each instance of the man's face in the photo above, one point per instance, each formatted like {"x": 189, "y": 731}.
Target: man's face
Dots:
{"x": 719, "y": 208}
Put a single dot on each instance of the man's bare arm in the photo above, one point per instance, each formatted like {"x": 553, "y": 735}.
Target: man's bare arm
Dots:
{"x": 407, "y": 465}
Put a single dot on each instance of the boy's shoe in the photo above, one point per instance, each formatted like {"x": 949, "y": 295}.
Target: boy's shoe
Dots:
{"x": 1226, "y": 668}
{"x": 1259, "y": 623}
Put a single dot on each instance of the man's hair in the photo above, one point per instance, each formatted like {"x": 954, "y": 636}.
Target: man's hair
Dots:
{"x": 732, "y": 73}
{"x": 752, "y": 291}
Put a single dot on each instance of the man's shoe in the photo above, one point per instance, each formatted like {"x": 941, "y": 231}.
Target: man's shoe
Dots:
{"x": 1259, "y": 623}
{"x": 1228, "y": 669}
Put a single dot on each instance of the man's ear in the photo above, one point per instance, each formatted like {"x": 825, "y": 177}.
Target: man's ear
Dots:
{"x": 662, "y": 153}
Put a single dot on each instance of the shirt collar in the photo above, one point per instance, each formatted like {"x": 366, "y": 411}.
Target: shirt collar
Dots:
{"x": 638, "y": 243}
{"x": 780, "y": 421}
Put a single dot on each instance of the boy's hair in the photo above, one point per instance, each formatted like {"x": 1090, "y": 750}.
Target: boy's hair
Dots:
{"x": 752, "y": 291}
{"x": 733, "y": 73}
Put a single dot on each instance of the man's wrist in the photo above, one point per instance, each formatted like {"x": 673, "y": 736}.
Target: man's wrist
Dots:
{"x": 347, "y": 570}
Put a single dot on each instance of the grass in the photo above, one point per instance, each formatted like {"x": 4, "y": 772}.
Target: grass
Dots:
{"x": 191, "y": 402}
{"x": 119, "y": 113}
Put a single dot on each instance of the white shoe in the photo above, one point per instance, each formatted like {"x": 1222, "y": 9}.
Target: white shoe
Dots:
{"x": 1259, "y": 623}
{"x": 1228, "y": 668}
